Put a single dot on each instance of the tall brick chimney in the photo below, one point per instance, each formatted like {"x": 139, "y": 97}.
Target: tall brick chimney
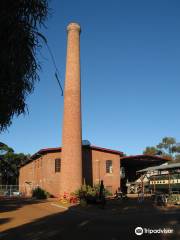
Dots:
{"x": 71, "y": 163}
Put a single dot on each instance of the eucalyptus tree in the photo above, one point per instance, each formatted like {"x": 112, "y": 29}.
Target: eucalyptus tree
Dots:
{"x": 19, "y": 41}
{"x": 9, "y": 164}
{"x": 168, "y": 147}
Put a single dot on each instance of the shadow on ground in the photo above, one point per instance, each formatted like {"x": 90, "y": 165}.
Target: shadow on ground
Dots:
{"x": 4, "y": 220}
{"x": 97, "y": 223}
{"x": 7, "y": 205}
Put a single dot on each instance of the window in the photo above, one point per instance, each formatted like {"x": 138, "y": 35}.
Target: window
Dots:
{"x": 109, "y": 166}
{"x": 57, "y": 165}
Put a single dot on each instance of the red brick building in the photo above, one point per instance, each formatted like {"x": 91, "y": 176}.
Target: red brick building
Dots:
{"x": 44, "y": 169}
{"x": 59, "y": 170}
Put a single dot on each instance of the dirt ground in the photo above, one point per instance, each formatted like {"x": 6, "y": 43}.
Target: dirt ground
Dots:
{"x": 40, "y": 220}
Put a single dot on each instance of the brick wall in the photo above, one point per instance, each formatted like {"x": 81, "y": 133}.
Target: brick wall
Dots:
{"x": 111, "y": 180}
{"x": 41, "y": 171}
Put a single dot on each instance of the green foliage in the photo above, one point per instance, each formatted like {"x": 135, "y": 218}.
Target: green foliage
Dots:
{"x": 174, "y": 198}
{"x": 151, "y": 151}
{"x": 167, "y": 145}
{"x": 87, "y": 191}
{"x": 40, "y": 193}
{"x": 167, "y": 148}
{"x": 106, "y": 192}
{"x": 83, "y": 202}
{"x": 9, "y": 164}
{"x": 19, "y": 41}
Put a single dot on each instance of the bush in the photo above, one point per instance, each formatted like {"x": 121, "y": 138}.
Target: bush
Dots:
{"x": 106, "y": 192}
{"x": 39, "y": 193}
{"x": 83, "y": 203}
{"x": 90, "y": 194}
{"x": 173, "y": 198}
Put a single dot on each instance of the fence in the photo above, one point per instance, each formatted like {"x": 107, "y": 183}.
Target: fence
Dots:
{"x": 9, "y": 190}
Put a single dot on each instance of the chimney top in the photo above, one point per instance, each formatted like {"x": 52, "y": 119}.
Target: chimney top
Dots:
{"x": 73, "y": 26}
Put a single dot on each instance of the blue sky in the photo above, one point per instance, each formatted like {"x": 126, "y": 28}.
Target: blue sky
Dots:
{"x": 130, "y": 72}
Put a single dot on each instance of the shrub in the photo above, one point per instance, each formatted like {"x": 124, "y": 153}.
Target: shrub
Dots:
{"x": 83, "y": 203}
{"x": 85, "y": 191}
{"x": 90, "y": 194}
{"x": 106, "y": 192}
{"x": 39, "y": 193}
{"x": 173, "y": 198}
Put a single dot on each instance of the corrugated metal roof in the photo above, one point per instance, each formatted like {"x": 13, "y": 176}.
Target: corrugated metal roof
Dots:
{"x": 161, "y": 167}
{"x": 145, "y": 156}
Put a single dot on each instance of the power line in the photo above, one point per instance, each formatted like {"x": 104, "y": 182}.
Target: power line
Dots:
{"x": 53, "y": 61}
{"x": 56, "y": 69}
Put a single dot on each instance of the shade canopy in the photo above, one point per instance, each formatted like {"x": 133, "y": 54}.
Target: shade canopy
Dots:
{"x": 161, "y": 167}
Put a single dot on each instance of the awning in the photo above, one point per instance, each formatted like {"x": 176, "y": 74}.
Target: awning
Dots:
{"x": 161, "y": 167}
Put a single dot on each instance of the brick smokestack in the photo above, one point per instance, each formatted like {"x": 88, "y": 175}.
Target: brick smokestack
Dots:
{"x": 71, "y": 168}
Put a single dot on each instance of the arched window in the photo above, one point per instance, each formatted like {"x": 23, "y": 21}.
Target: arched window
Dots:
{"x": 109, "y": 167}
{"x": 57, "y": 165}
